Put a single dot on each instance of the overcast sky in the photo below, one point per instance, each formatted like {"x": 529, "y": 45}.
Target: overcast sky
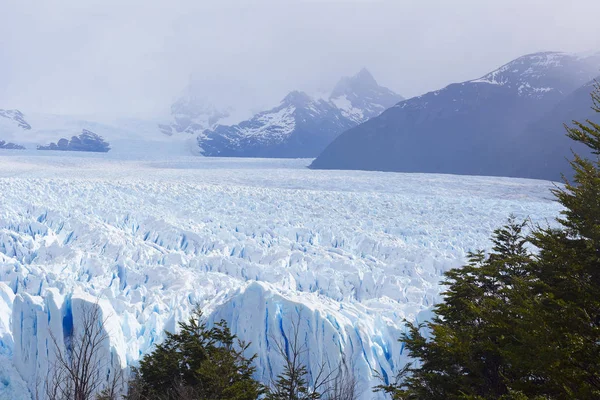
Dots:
{"x": 135, "y": 57}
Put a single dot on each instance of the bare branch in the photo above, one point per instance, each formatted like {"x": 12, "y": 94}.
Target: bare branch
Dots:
{"x": 77, "y": 371}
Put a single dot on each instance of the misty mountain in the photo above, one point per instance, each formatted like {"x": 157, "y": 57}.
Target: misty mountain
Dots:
{"x": 360, "y": 98}
{"x": 13, "y": 126}
{"x": 86, "y": 141}
{"x": 301, "y": 126}
{"x": 10, "y": 146}
{"x": 128, "y": 137}
{"x": 204, "y": 103}
{"x": 191, "y": 114}
{"x": 474, "y": 128}
{"x": 15, "y": 118}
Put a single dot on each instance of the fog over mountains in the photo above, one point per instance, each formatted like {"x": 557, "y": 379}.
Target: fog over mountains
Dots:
{"x": 300, "y": 126}
{"x": 507, "y": 123}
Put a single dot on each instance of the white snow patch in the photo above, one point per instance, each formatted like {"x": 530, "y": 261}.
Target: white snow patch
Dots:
{"x": 347, "y": 109}
{"x": 276, "y": 126}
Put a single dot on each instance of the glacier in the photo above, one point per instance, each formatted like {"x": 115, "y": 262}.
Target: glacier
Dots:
{"x": 253, "y": 241}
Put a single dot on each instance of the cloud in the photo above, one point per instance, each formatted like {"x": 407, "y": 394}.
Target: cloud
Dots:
{"x": 135, "y": 57}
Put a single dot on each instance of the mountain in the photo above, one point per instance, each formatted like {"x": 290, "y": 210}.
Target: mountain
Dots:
{"x": 191, "y": 114}
{"x": 360, "y": 98}
{"x": 86, "y": 141}
{"x": 301, "y": 126}
{"x": 206, "y": 102}
{"x": 471, "y": 128}
{"x": 13, "y": 126}
{"x": 128, "y": 138}
{"x": 10, "y": 146}
{"x": 548, "y": 137}
{"x": 15, "y": 118}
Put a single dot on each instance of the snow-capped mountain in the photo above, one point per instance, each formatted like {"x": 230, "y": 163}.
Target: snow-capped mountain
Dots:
{"x": 466, "y": 128}
{"x": 360, "y": 98}
{"x": 301, "y": 126}
{"x": 192, "y": 114}
{"x": 205, "y": 103}
{"x": 537, "y": 75}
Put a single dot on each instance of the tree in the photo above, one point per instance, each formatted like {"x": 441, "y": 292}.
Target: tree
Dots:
{"x": 78, "y": 370}
{"x": 294, "y": 382}
{"x": 197, "y": 363}
{"x": 343, "y": 386}
{"x": 568, "y": 270}
{"x": 460, "y": 350}
{"x": 515, "y": 325}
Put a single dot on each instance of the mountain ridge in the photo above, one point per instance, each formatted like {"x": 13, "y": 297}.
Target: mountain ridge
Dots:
{"x": 468, "y": 128}
{"x": 301, "y": 126}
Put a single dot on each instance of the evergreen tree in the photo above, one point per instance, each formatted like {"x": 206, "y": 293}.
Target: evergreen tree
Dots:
{"x": 197, "y": 363}
{"x": 463, "y": 356}
{"x": 568, "y": 271}
{"x": 515, "y": 325}
{"x": 292, "y": 384}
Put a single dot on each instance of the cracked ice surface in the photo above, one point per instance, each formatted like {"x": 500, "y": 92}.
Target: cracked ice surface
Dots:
{"x": 252, "y": 241}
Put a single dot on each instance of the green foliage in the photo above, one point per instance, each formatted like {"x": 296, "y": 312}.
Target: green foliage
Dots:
{"x": 197, "y": 363}
{"x": 464, "y": 356}
{"x": 515, "y": 325}
{"x": 568, "y": 268}
{"x": 292, "y": 384}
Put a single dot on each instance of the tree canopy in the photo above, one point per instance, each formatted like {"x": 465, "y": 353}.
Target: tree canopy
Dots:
{"x": 198, "y": 363}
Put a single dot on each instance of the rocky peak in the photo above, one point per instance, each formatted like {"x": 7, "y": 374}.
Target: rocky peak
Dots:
{"x": 541, "y": 73}
{"x": 360, "y": 83}
{"x": 297, "y": 99}
{"x": 16, "y": 116}
{"x": 360, "y": 97}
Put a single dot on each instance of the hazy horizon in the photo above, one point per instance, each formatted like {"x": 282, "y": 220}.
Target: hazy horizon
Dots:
{"x": 135, "y": 58}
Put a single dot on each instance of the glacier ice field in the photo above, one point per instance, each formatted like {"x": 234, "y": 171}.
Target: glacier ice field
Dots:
{"x": 255, "y": 242}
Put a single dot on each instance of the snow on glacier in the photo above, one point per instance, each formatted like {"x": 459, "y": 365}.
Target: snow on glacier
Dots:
{"x": 256, "y": 242}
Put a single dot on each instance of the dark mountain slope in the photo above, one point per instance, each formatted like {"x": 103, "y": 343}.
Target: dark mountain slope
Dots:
{"x": 467, "y": 128}
{"x": 544, "y": 147}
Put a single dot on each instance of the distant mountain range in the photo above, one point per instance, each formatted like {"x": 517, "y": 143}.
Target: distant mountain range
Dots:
{"x": 506, "y": 123}
{"x": 125, "y": 138}
{"x": 480, "y": 127}
{"x": 14, "y": 125}
{"x": 301, "y": 126}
